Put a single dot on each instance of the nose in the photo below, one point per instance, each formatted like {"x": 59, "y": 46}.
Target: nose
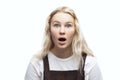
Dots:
{"x": 62, "y": 30}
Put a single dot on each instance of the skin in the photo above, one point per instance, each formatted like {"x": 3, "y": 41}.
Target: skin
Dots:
{"x": 62, "y": 26}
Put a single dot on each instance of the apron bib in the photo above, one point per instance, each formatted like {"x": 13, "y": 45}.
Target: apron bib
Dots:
{"x": 62, "y": 75}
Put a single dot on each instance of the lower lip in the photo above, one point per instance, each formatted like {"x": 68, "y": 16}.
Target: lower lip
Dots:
{"x": 61, "y": 42}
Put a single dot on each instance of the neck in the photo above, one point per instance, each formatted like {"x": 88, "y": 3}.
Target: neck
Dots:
{"x": 62, "y": 53}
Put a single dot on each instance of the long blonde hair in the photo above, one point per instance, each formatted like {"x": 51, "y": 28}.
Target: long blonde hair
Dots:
{"x": 79, "y": 44}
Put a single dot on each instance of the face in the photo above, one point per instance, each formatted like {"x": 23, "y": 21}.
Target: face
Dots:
{"x": 62, "y": 30}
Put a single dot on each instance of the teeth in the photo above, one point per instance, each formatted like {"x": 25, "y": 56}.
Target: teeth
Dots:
{"x": 62, "y": 39}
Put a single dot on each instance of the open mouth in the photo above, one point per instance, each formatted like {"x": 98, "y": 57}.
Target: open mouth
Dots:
{"x": 62, "y": 39}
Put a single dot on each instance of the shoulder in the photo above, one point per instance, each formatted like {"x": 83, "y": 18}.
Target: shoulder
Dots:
{"x": 36, "y": 62}
{"x": 90, "y": 63}
{"x": 35, "y": 69}
{"x": 36, "y": 65}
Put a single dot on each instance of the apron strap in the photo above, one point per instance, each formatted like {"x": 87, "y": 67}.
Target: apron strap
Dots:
{"x": 46, "y": 68}
{"x": 84, "y": 58}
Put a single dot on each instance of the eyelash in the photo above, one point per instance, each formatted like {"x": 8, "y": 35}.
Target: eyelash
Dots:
{"x": 58, "y": 25}
{"x": 68, "y": 25}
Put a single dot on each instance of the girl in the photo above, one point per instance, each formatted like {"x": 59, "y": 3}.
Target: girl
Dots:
{"x": 65, "y": 54}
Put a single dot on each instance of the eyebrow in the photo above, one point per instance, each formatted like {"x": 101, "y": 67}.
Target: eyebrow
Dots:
{"x": 56, "y": 21}
{"x": 65, "y": 22}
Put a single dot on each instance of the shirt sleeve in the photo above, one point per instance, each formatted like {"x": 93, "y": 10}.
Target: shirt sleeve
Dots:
{"x": 33, "y": 71}
{"x": 92, "y": 70}
{"x": 95, "y": 73}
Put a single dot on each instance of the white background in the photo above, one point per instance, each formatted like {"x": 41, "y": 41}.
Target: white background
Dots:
{"x": 22, "y": 25}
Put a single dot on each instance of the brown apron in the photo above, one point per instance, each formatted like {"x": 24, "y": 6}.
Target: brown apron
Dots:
{"x": 62, "y": 75}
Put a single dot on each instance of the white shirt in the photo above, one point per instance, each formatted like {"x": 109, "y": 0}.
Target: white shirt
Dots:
{"x": 35, "y": 68}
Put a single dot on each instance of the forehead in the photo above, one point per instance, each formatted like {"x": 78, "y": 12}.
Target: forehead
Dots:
{"x": 62, "y": 17}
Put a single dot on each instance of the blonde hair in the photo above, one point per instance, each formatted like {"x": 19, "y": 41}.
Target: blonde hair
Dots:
{"x": 79, "y": 44}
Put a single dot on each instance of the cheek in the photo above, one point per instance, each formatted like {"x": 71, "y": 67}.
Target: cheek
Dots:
{"x": 53, "y": 34}
{"x": 71, "y": 34}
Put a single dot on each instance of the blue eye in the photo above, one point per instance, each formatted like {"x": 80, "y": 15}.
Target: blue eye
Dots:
{"x": 56, "y": 25}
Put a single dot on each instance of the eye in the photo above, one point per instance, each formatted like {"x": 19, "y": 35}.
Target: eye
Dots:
{"x": 56, "y": 25}
{"x": 68, "y": 25}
